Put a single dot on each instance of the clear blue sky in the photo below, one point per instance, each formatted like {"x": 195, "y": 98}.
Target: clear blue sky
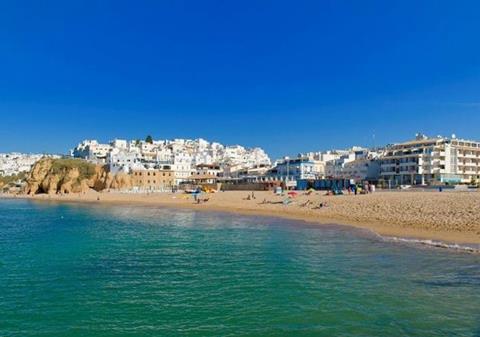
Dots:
{"x": 289, "y": 76}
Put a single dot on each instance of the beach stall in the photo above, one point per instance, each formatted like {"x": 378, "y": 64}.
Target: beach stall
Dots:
{"x": 204, "y": 181}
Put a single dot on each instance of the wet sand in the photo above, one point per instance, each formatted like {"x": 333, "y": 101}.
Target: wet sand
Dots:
{"x": 446, "y": 216}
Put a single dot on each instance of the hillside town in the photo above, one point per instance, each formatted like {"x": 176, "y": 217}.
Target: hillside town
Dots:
{"x": 15, "y": 163}
{"x": 164, "y": 165}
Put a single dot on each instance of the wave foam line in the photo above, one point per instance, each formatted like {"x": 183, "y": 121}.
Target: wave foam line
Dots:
{"x": 436, "y": 244}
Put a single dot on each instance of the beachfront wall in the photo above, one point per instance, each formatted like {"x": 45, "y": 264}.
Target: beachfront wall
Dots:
{"x": 186, "y": 186}
{"x": 323, "y": 184}
{"x": 260, "y": 186}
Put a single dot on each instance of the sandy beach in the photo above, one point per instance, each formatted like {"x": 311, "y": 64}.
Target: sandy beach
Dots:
{"x": 447, "y": 216}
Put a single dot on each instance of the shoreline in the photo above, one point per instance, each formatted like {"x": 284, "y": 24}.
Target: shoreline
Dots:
{"x": 234, "y": 203}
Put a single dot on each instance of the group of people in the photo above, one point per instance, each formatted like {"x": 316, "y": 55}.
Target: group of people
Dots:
{"x": 367, "y": 188}
{"x": 320, "y": 205}
{"x": 353, "y": 188}
{"x": 198, "y": 200}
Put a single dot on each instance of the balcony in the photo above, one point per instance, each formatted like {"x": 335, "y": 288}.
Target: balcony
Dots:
{"x": 471, "y": 172}
{"x": 438, "y": 154}
{"x": 409, "y": 163}
{"x": 409, "y": 172}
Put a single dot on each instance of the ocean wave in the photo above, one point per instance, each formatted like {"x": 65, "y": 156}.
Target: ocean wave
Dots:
{"x": 436, "y": 244}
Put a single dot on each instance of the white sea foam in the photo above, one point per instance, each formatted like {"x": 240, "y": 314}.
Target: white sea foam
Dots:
{"x": 437, "y": 244}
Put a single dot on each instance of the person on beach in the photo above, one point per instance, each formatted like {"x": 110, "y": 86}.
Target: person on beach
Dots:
{"x": 306, "y": 203}
{"x": 321, "y": 205}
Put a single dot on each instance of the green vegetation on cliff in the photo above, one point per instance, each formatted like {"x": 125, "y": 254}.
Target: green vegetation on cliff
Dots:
{"x": 5, "y": 180}
{"x": 61, "y": 166}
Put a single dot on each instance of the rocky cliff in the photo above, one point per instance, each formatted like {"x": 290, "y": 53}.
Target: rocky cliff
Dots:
{"x": 72, "y": 176}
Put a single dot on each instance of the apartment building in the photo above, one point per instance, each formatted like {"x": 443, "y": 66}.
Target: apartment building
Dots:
{"x": 92, "y": 150}
{"x": 122, "y": 161}
{"x": 182, "y": 167}
{"x": 361, "y": 170}
{"x": 292, "y": 170}
{"x": 208, "y": 169}
{"x": 429, "y": 160}
{"x": 338, "y": 167}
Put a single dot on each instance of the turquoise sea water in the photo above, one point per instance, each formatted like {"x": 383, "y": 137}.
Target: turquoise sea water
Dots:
{"x": 94, "y": 270}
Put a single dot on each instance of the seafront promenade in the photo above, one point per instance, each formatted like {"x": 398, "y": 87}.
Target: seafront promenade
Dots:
{"x": 445, "y": 216}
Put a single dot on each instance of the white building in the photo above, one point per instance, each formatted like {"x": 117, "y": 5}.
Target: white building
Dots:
{"x": 122, "y": 161}
{"x": 208, "y": 169}
{"x": 336, "y": 168}
{"x": 92, "y": 150}
{"x": 429, "y": 160}
{"x": 182, "y": 167}
{"x": 361, "y": 170}
{"x": 15, "y": 163}
{"x": 120, "y": 144}
{"x": 183, "y": 155}
{"x": 321, "y": 159}
{"x": 292, "y": 170}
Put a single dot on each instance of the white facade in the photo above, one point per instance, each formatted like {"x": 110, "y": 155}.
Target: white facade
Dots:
{"x": 182, "y": 167}
{"x": 320, "y": 160}
{"x": 361, "y": 170}
{"x": 427, "y": 160}
{"x": 122, "y": 161}
{"x": 92, "y": 150}
{"x": 119, "y": 144}
{"x": 292, "y": 170}
{"x": 183, "y": 155}
{"x": 208, "y": 169}
{"x": 330, "y": 164}
{"x": 15, "y": 163}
